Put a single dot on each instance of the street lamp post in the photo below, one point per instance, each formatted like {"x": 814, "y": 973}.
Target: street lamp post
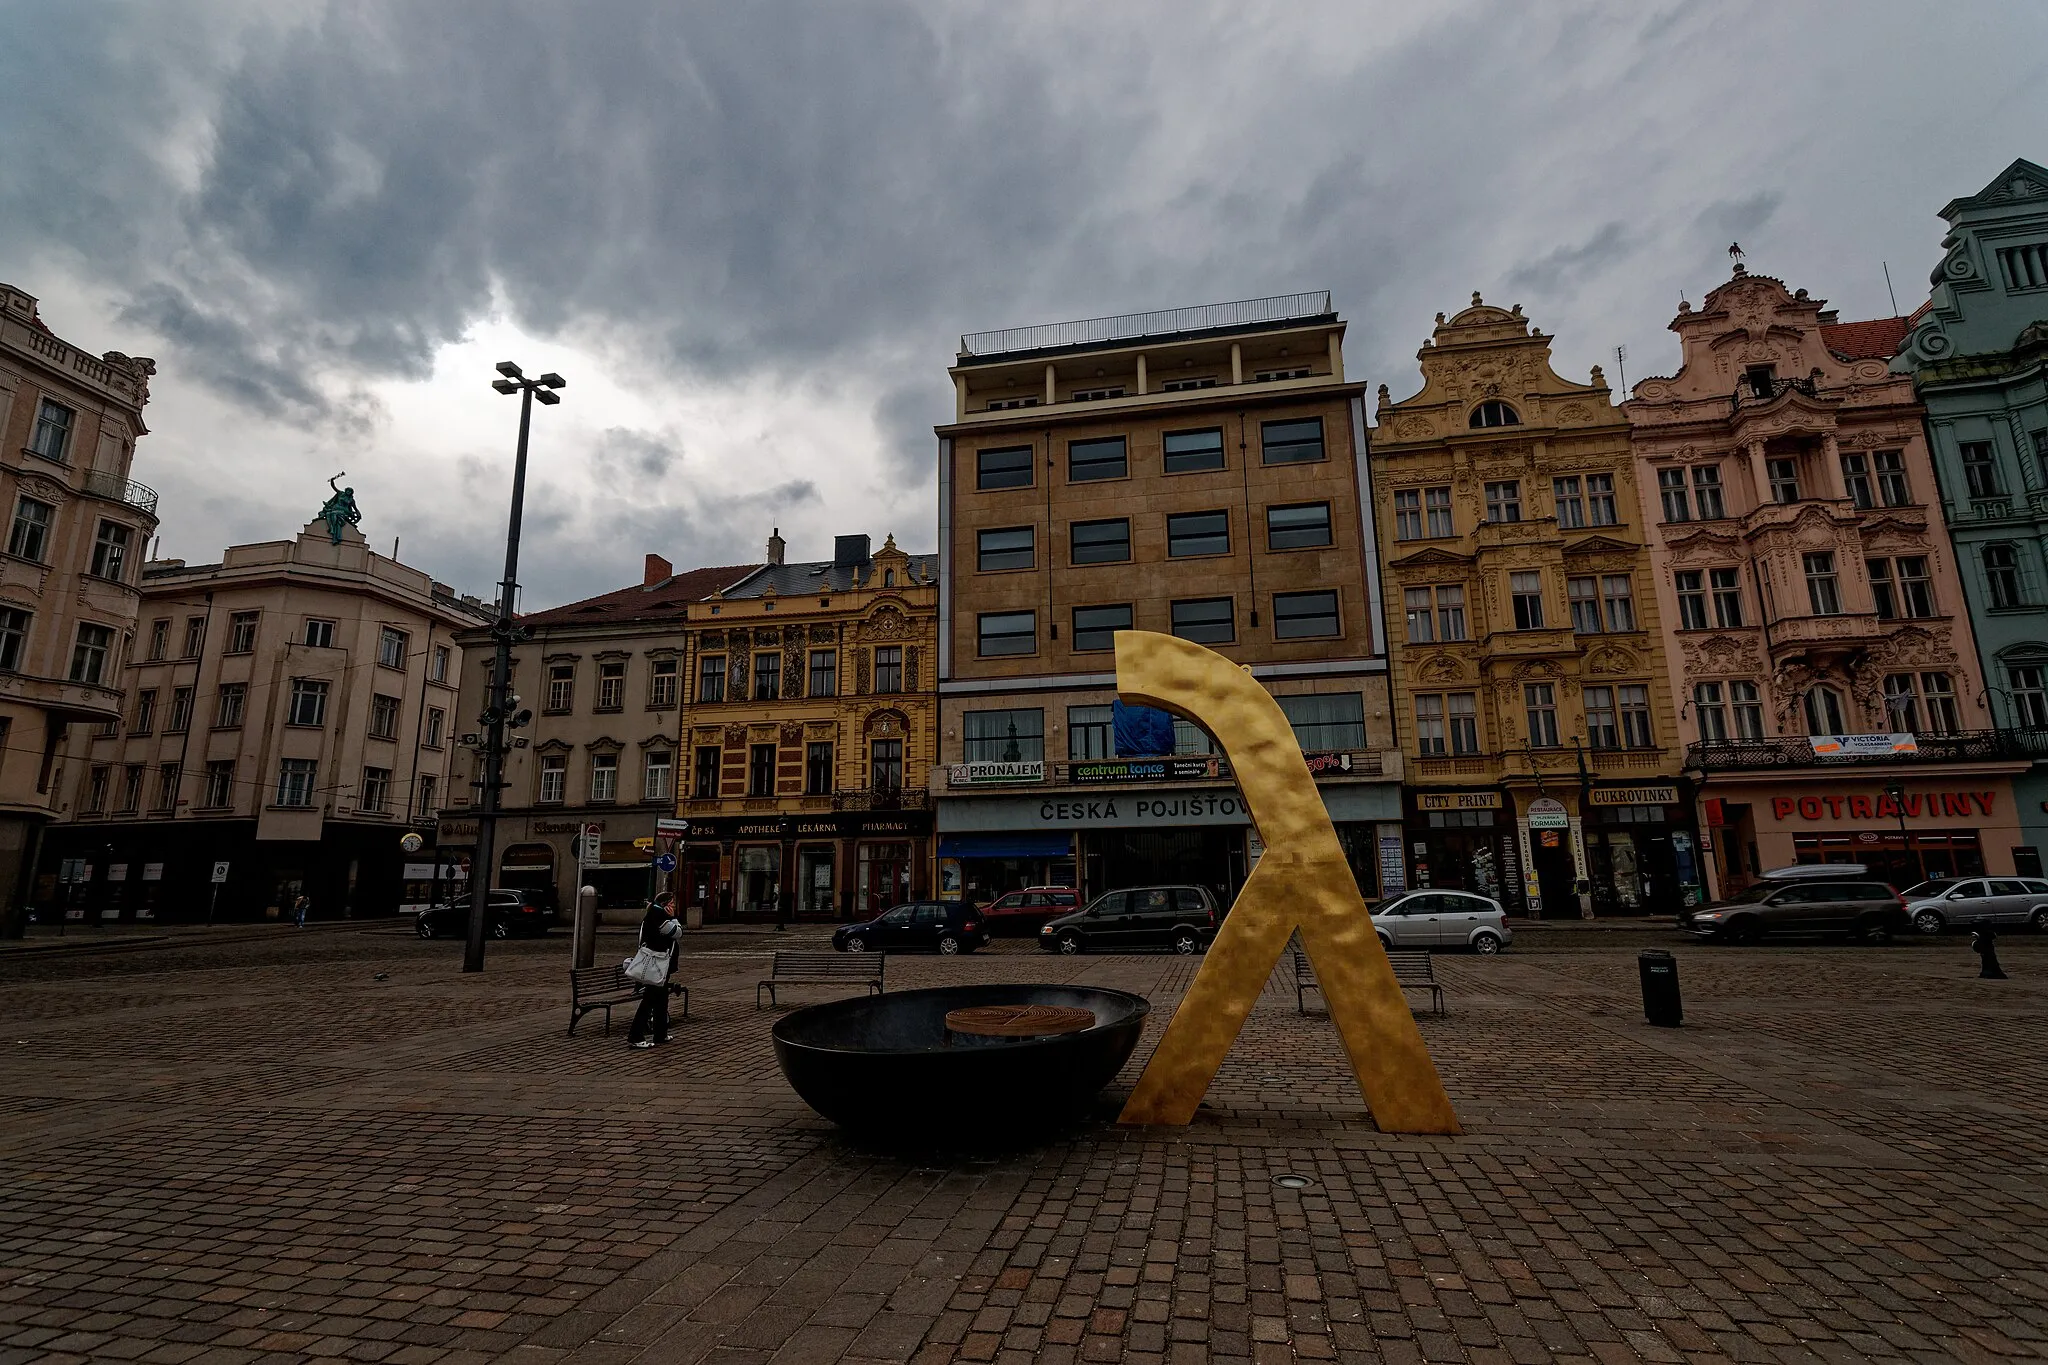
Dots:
{"x": 1897, "y": 792}
{"x": 497, "y": 709}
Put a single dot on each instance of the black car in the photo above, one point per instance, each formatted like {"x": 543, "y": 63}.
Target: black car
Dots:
{"x": 1182, "y": 918}
{"x": 512, "y": 912}
{"x": 947, "y": 926}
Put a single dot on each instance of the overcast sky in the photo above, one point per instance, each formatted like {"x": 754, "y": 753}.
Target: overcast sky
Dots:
{"x": 750, "y": 234}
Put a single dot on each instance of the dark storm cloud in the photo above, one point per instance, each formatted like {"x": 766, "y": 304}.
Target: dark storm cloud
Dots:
{"x": 1568, "y": 265}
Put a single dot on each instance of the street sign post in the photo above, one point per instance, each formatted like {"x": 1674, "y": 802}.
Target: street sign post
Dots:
{"x": 593, "y": 846}
{"x": 665, "y": 863}
{"x": 669, "y": 825}
{"x": 220, "y": 875}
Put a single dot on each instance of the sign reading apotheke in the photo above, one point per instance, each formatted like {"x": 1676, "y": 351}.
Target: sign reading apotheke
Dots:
{"x": 1143, "y": 770}
{"x": 1634, "y": 796}
{"x": 994, "y": 774}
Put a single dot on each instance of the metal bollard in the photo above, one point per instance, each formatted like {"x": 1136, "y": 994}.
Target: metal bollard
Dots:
{"x": 586, "y": 927}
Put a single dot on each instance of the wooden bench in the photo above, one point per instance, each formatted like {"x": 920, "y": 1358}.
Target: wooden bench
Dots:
{"x": 822, "y": 969}
{"x": 1414, "y": 969}
{"x": 599, "y": 988}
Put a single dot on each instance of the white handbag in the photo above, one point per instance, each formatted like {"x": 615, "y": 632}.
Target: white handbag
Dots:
{"x": 647, "y": 967}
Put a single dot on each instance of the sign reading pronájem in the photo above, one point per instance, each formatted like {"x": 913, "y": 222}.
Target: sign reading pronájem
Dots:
{"x": 992, "y": 774}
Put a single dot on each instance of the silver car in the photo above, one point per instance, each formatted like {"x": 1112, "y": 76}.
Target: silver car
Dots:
{"x": 1971, "y": 901}
{"x": 1443, "y": 919}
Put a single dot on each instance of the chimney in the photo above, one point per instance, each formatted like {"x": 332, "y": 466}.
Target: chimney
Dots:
{"x": 659, "y": 570}
{"x": 850, "y": 551}
{"x": 775, "y": 546}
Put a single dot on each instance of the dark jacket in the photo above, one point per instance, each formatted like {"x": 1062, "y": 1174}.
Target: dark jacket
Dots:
{"x": 663, "y": 933}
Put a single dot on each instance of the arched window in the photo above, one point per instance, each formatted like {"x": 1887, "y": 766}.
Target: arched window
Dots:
{"x": 1494, "y": 413}
{"x": 2002, "y": 573}
{"x": 1824, "y": 712}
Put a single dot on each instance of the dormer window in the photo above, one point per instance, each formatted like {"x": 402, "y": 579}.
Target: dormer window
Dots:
{"x": 1761, "y": 380}
{"x": 1494, "y": 413}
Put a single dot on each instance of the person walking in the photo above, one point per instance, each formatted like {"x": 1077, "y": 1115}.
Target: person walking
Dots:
{"x": 661, "y": 931}
{"x": 299, "y": 909}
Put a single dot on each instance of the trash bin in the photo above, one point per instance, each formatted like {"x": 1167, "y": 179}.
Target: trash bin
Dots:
{"x": 1659, "y": 971}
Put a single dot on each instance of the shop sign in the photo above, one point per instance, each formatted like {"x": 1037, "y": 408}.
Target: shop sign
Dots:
{"x": 457, "y": 831}
{"x": 1328, "y": 763}
{"x": 1457, "y": 800}
{"x": 1226, "y": 808}
{"x": 561, "y": 827}
{"x": 1914, "y": 805}
{"x": 1144, "y": 770}
{"x": 1393, "y": 870}
{"x": 152, "y": 872}
{"x": 1862, "y": 746}
{"x": 117, "y": 872}
{"x": 994, "y": 774}
{"x": 1664, "y": 795}
{"x": 715, "y": 829}
{"x": 1547, "y": 812}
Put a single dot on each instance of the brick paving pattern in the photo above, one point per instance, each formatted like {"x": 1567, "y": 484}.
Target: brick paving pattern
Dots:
{"x": 255, "y": 1151}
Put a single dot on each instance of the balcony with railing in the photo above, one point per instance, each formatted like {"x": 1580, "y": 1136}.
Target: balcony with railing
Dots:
{"x": 137, "y": 495}
{"x": 1753, "y": 394}
{"x": 883, "y": 798}
{"x": 1796, "y": 751}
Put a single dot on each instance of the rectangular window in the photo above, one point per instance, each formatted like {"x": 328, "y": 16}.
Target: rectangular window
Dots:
{"x": 1710, "y": 712}
{"x": 376, "y": 789}
{"x": 554, "y": 779}
{"x": 1539, "y": 703}
{"x": 824, "y": 673}
{"x": 1570, "y": 503}
{"x": 1096, "y": 395}
{"x": 885, "y": 765}
{"x": 1100, "y": 542}
{"x": 1601, "y": 732}
{"x": 1190, "y": 738}
{"x": 1003, "y": 736}
{"x": 1822, "y": 593}
{"x": 1600, "y": 508}
{"x": 1727, "y": 585}
{"x": 1197, "y": 533}
{"x": 1526, "y": 589}
{"x": 1633, "y": 700}
{"x": 1980, "y": 469}
{"x": 1326, "y": 722}
{"x": 1205, "y": 620}
{"x": 658, "y": 776}
{"x": 439, "y": 672}
{"x": 1298, "y": 527}
{"x": 1761, "y": 380}
{"x": 167, "y": 782}
{"x": 1746, "y": 709}
{"x": 13, "y": 638}
{"x": 320, "y": 634}
{"x": 383, "y": 717}
{"x": 1938, "y": 691}
{"x": 1188, "y": 385}
{"x": 1009, "y": 547}
{"x": 131, "y": 789}
{"x": 89, "y": 653}
{"x": 110, "y": 552}
{"x": 30, "y": 537}
{"x": 308, "y": 702}
{"x": 889, "y": 668}
{"x": 1295, "y": 442}
{"x": 229, "y": 702}
{"x": 1584, "y": 596}
{"x": 1305, "y": 615}
{"x": 437, "y": 722}
{"x": 242, "y": 633}
{"x": 1504, "y": 500}
{"x": 295, "y": 781}
{"x": 768, "y": 677}
{"x": 1436, "y": 502}
{"x": 1421, "y": 620}
{"x": 1901, "y": 702}
{"x": 1784, "y": 476}
{"x": 818, "y": 768}
{"x": 1671, "y": 488}
{"x": 1692, "y": 599}
{"x": 661, "y": 682}
{"x": 1009, "y": 467}
{"x": 180, "y": 718}
{"x": 159, "y": 640}
{"x": 1856, "y": 479}
{"x": 1096, "y": 627}
{"x": 1464, "y": 718}
{"x": 1450, "y": 611}
{"x": 604, "y": 777}
{"x": 1006, "y": 632}
{"x": 2002, "y": 575}
{"x": 1189, "y": 451}
{"x": 145, "y": 712}
{"x": 1100, "y": 458}
{"x": 1091, "y": 732}
{"x": 1706, "y": 491}
{"x": 429, "y": 785}
{"x": 1408, "y": 514}
{"x": 195, "y": 636}
{"x": 1617, "y": 593}
{"x": 52, "y": 436}
{"x": 561, "y": 688}
{"x": 1916, "y": 588}
{"x": 704, "y": 785}
{"x": 711, "y": 677}
{"x": 1891, "y": 478}
{"x": 391, "y": 647}
{"x": 1882, "y": 590}
{"x": 220, "y": 784}
{"x": 1432, "y": 740}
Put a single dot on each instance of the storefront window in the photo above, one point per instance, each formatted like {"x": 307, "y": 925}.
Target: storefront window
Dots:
{"x": 1090, "y": 732}
{"x": 814, "y": 881}
{"x": 759, "y": 874}
{"x": 1004, "y": 736}
{"x": 1326, "y": 722}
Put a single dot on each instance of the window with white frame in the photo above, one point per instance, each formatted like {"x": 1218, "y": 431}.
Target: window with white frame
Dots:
{"x": 14, "y": 624}
{"x": 30, "y": 536}
{"x": 89, "y": 652}
{"x": 308, "y": 704}
{"x": 51, "y": 438}
{"x": 391, "y": 647}
{"x": 376, "y": 794}
{"x": 1746, "y": 709}
{"x": 219, "y": 791}
{"x": 1326, "y": 722}
{"x": 604, "y": 777}
{"x": 437, "y": 721}
{"x": 611, "y": 685}
{"x": 383, "y": 717}
{"x": 662, "y": 679}
{"x": 110, "y": 551}
{"x": 1539, "y": 708}
{"x": 554, "y": 779}
{"x": 658, "y": 776}
{"x": 295, "y": 781}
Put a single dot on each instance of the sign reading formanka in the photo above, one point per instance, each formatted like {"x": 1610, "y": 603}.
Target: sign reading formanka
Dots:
{"x": 994, "y": 774}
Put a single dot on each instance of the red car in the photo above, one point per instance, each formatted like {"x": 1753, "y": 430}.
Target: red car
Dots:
{"x": 1021, "y": 913}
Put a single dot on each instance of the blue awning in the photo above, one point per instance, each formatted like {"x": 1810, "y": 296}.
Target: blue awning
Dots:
{"x": 1006, "y": 845}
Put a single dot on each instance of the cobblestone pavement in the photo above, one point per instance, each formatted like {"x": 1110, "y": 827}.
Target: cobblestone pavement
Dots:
{"x": 257, "y": 1151}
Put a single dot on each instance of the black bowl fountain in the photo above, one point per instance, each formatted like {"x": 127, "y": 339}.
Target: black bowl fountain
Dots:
{"x": 959, "y": 1059}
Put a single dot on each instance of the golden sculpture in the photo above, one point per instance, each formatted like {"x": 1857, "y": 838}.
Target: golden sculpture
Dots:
{"x": 1301, "y": 883}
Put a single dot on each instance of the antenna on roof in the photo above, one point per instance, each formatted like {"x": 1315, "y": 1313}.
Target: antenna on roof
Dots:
{"x": 1621, "y": 365}
{"x": 1888, "y": 287}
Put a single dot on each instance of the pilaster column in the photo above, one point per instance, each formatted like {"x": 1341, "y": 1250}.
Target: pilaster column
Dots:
{"x": 1831, "y": 477}
{"x": 1759, "y": 476}
{"x": 1141, "y": 373}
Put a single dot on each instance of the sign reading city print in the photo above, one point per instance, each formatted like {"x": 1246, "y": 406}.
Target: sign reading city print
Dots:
{"x": 1547, "y": 812}
{"x": 1634, "y": 796}
{"x": 994, "y": 774}
{"x": 1144, "y": 770}
{"x": 1457, "y": 801}
{"x": 1862, "y": 746}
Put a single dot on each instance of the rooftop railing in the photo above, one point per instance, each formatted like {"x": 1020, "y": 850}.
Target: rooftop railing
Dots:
{"x": 1208, "y": 317}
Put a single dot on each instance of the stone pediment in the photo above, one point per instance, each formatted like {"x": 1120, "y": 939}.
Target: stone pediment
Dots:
{"x": 1600, "y": 545}
{"x": 1430, "y": 558}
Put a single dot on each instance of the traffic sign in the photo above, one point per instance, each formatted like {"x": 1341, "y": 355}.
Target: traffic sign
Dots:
{"x": 665, "y": 863}
{"x": 593, "y": 845}
{"x": 669, "y": 825}
{"x": 220, "y": 873}
{"x": 644, "y": 845}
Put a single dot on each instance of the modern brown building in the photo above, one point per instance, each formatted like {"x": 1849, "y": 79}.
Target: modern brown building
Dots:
{"x": 78, "y": 528}
{"x": 1199, "y": 472}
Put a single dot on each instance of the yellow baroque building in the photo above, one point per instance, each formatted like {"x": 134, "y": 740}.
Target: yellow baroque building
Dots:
{"x": 1527, "y": 654}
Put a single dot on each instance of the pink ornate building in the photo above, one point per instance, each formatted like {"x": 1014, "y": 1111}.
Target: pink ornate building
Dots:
{"x": 1807, "y": 582}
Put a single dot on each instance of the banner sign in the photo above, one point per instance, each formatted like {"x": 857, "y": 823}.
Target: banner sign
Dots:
{"x": 1862, "y": 746}
{"x": 1457, "y": 800}
{"x": 993, "y": 774}
{"x": 1548, "y": 813}
{"x": 1144, "y": 770}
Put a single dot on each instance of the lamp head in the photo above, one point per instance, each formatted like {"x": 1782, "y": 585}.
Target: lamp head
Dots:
{"x": 504, "y": 386}
{"x": 508, "y": 369}
{"x": 545, "y": 397}
{"x": 553, "y": 380}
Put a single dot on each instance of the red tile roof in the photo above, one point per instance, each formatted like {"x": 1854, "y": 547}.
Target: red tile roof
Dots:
{"x": 663, "y": 601}
{"x": 1877, "y": 339}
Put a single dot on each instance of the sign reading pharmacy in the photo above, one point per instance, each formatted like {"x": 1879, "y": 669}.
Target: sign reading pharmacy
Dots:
{"x": 994, "y": 774}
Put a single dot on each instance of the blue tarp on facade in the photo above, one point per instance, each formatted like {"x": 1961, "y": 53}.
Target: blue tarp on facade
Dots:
{"x": 1005, "y": 845}
{"x": 1141, "y": 731}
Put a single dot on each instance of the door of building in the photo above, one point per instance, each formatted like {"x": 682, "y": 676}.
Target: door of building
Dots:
{"x": 1556, "y": 876}
{"x": 882, "y": 879}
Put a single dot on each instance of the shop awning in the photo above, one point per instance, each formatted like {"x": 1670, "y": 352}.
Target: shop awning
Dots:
{"x": 1006, "y": 845}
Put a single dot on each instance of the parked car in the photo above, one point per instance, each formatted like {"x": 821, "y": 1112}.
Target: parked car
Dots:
{"x": 1023, "y": 912}
{"x": 1809, "y": 904}
{"x": 1182, "y": 918}
{"x": 512, "y": 912}
{"x": 947, "y": 926}
{"x": 1443, "y": 919}
{"x": 1968, "y": 901}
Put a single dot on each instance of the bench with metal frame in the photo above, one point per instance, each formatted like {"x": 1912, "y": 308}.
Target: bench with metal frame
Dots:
{"x": 1414, "y": 969}
{"x": 599, "y": 988}
{"x": 822, "y": 969}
